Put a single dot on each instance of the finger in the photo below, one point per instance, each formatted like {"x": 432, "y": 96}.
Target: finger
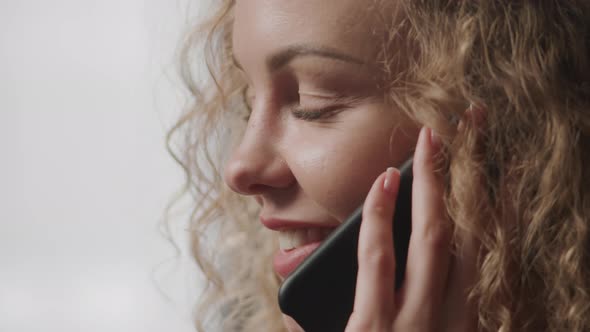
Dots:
{"x": 374, "y": 295}
{"x": 429, "y": 248}
{"x": 459, "y": 313}
{"x": 291, "y": 324}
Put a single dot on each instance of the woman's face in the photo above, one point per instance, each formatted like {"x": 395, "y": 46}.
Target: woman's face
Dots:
{"x": 320, "y": 131}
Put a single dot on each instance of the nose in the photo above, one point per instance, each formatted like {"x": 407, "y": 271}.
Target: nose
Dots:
{"x": 256, "y": 166}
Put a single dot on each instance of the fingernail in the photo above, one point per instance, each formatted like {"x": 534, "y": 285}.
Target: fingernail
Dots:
{"x": 389, "y": 183}
{"x": 435, "y": 141}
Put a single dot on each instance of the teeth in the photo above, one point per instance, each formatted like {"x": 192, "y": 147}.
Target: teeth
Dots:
{"x": 290, "y": 239}
{"x": 314, "y": 234}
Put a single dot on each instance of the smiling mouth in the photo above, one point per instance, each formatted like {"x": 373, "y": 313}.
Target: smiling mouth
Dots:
{"x": 295, "y": 245}
{"x": 295, "y": 238}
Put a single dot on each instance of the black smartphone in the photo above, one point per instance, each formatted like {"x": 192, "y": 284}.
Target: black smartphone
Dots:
{"x": 319, "y": 294}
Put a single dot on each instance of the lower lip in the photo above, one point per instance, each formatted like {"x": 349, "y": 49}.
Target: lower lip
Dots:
{"x": 286, "y": 261}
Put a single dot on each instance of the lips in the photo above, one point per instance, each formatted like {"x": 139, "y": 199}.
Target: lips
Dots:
{"x": 298, "y": 240}
{"x": 285, "y": 262}
{"x": 298, "y": 237}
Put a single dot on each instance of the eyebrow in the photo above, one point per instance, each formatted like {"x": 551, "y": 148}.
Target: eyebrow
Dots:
{"x": 285, "y": 56}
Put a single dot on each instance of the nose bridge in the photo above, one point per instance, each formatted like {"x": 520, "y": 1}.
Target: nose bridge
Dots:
{"x": 257, "y": 145}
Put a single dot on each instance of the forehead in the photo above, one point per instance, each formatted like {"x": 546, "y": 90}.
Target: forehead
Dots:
{"x": 355, "y": 27}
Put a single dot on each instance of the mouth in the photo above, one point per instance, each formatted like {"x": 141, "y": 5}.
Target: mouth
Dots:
{"x": 295, "y": 238}
{"x": 295, "y": 245}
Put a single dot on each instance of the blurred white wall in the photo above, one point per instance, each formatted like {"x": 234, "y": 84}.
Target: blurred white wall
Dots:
{"x": 87, "y": 93}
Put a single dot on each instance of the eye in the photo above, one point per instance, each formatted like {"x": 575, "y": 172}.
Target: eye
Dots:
{"x": 318, "y": 107}
{"x": 315, "y": 114}
{"x": 247, "y": 100}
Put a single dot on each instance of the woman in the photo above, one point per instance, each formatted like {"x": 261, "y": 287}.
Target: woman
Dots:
{"x": 312, "y": 101}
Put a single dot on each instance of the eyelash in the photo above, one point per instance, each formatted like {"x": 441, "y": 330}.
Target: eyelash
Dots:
{"x": 300, "y": 112}
{"x": 305, "y": 114}
{"x": 246, "y": 103}
{"x": 308, "y": 114}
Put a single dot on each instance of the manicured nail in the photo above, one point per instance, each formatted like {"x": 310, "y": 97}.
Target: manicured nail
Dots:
{"x": 388, "y": 184}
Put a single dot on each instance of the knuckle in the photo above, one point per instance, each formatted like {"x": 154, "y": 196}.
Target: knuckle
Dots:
{"x": 377, "y": 211}
{"x": 377, "y": 258}
{"x": 365, "y": 324}
{"x": 435, "y": 236}
{"x": 411, "y": 325}
{"x": 355, "y": 325}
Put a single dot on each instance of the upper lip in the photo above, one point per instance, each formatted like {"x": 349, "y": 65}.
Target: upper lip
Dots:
{"x": 278, "y": 224}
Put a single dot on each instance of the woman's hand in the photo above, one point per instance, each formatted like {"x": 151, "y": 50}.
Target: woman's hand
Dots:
{"x": 433, "y": 296}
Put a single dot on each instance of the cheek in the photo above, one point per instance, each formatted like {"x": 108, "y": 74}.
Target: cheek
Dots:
{"x": 332, "y": 179}
{"x": 338, "y": 173}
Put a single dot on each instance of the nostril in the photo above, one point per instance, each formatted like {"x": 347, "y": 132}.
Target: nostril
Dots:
{"x": 250, "y": 173}
{"x": 233, "y": 181}
{"x": 259, "y": 200}
{"x": 256, "y": 188}
{"x": 242, "y": 180}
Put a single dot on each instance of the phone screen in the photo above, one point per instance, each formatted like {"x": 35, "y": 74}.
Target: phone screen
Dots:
{"x": 319, "y": 293}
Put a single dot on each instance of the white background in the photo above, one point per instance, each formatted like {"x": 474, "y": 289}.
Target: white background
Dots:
{"x": 87, "y": 93}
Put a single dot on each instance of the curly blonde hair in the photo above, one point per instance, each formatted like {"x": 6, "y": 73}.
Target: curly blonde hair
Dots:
{"x": 519, "y": 182}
